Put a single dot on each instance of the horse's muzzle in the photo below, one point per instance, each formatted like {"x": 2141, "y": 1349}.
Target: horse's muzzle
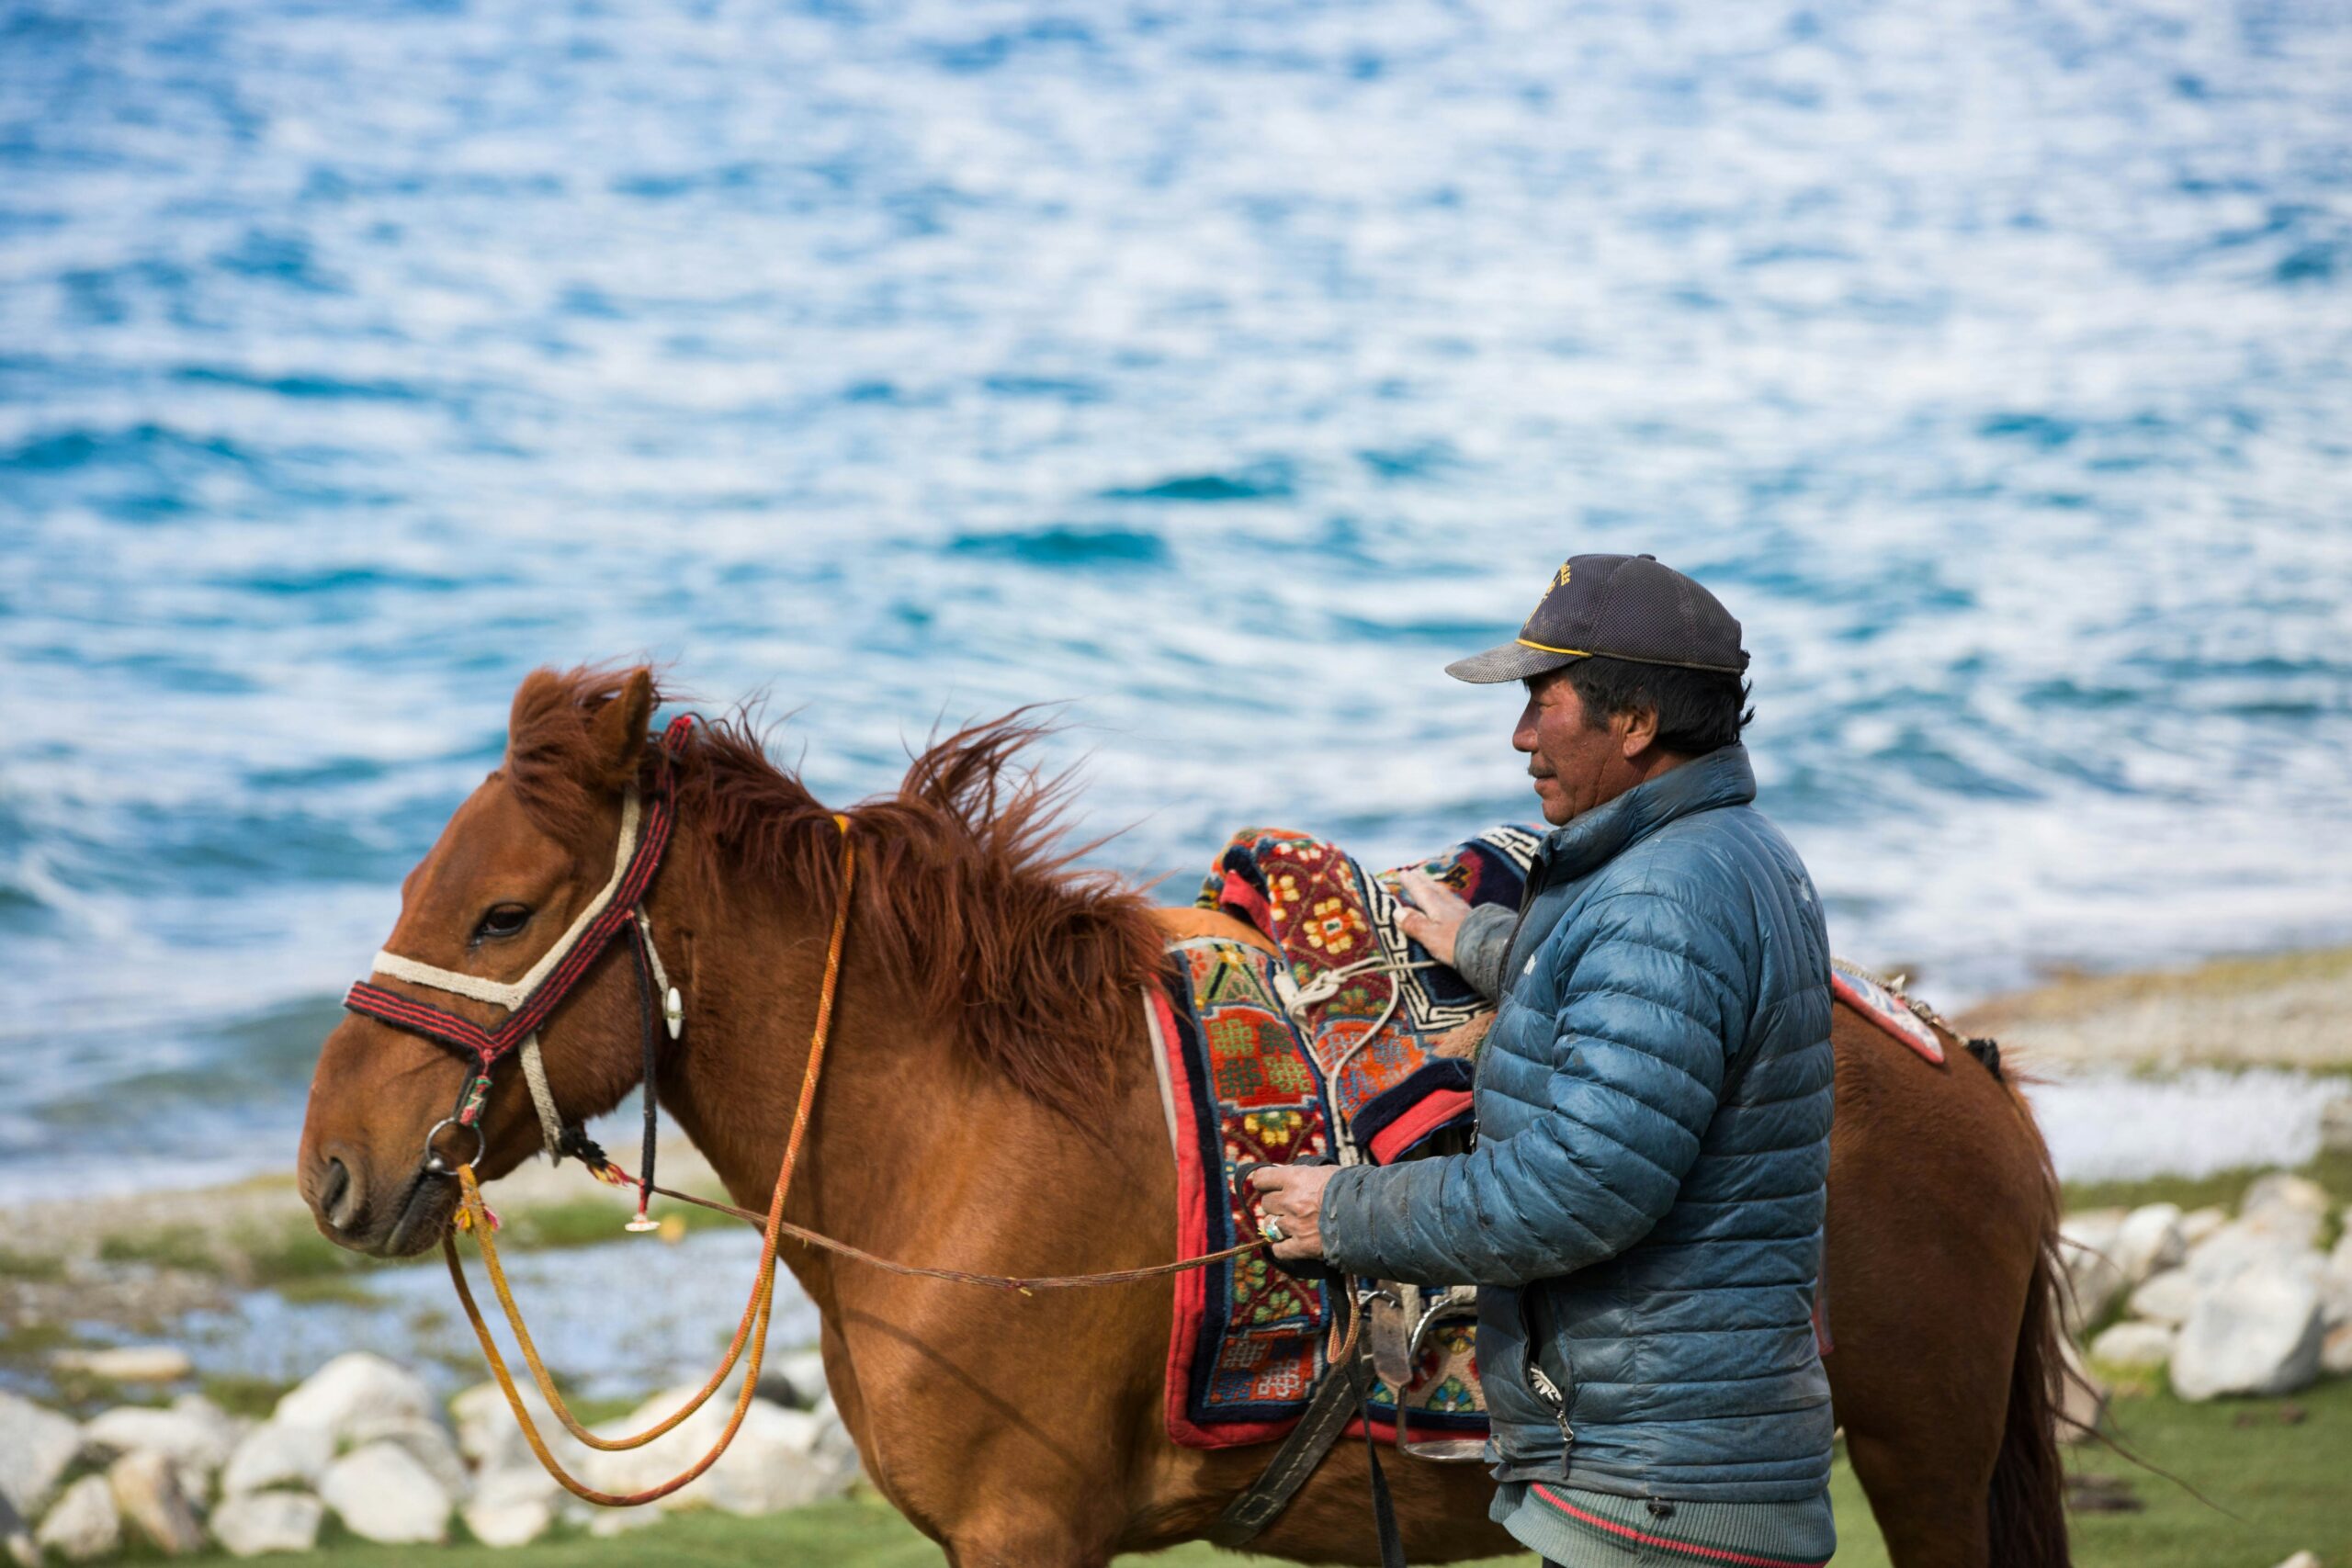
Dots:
{"x": 387, "y": 1219}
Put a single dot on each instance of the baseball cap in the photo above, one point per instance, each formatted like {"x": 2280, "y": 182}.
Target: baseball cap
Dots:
{"x": 1619, "y": 607}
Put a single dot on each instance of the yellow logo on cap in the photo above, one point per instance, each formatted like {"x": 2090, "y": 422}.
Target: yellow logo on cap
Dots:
{"x": 1560, "y": 580}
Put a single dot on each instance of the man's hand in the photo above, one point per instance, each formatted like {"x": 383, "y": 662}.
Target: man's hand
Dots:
{"x": 1437, "y": 918}
{"x": 1294, "y": 1195}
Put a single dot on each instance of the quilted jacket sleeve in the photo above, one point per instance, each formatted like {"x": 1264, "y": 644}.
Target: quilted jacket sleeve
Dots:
{"x": 1654, "y": 991}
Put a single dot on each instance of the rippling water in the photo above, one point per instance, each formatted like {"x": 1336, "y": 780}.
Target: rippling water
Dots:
{"x": 1223, "y": 370}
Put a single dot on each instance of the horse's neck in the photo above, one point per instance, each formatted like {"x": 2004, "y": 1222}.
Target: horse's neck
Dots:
{"x": 912, "y": 1151}
{"x": 754, "y": 971}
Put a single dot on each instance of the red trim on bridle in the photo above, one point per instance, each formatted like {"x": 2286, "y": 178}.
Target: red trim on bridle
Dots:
{"x": 487, "y": 1046}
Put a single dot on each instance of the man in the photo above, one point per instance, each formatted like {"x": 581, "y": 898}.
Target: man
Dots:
{"x": 1642, "y": 1209}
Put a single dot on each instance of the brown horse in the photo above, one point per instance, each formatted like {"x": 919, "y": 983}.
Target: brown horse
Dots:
{"x": 988, "y": 1104}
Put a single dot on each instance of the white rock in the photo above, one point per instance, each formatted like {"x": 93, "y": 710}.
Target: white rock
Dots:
{"x": 2239, "y": 1248}
{"x": 2287, "y": 1204}
{"x": 2087, "y": 1242}
{"x": 196, "y": 1407}
{"x": 2336, "y": 1351}
{"x": 2198, "y": 1224}
{"x": 512, "y": 1507}
{"x": 2302, "y": 1559}
{"x": 2149, "y": 1240}
{"x": 36, "y": 1445}
{"x": 778, "y": 1460}
{"x": 127, "y": 1363}
{"x": 277, "y": 1453}
{"x": 355, "y": 1388}
{"x": 2083, "y": 1399}
{"x": 382, "y": 1493}
{"x": 2166, "y": 1298}
{"x": 257, "y": 1522}
{"x": 2133, "y": 1345}
{"x": 802, "y": 1373}
{"x": 426, "y": 1441}
{"x": 488, "y": 1433}
{"x": 606, "y": 1523}
{"x": 84, "y": 1523}
{"x": 2258, "y": 1333}
{"x": 197, "y": 1445}
{"x": 147, "y": 1489}
{"x": 483, "y": 1421}
{"x": 2335, "y": 1281}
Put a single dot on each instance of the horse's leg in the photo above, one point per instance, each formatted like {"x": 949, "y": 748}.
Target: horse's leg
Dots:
{"x": 1937, "y": 1206}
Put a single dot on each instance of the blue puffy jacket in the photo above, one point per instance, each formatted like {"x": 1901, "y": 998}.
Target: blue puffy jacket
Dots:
{"x": 1642, "y": 1209}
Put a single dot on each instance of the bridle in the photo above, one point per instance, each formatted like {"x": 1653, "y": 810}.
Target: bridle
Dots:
{"x": 529, "y": 1001}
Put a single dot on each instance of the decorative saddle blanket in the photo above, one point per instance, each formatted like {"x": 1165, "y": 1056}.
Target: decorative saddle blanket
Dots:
{"x": 1263, "y": 1057}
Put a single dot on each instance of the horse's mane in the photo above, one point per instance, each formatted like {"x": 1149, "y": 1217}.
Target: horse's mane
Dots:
{"x": 967, "y": 890}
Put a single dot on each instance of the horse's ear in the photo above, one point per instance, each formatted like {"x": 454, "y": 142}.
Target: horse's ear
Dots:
{"x": 618, "y": 729}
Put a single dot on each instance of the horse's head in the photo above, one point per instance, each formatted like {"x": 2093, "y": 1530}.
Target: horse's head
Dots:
{"x": 524, "y": 854}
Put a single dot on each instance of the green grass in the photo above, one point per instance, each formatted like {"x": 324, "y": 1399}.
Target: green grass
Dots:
{"x": 2285, "y": 1481}
{"x": 30, "y": 1266}
{"x": 243, "y": 1396}
{"x": 296, "y": 1261}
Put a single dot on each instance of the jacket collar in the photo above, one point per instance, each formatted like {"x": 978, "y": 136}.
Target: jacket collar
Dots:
{"x": 1721, "y": 777}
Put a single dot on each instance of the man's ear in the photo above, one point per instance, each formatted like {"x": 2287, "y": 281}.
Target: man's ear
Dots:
{"x": 1637, "y": 731}
{"x": 618, "y": 729}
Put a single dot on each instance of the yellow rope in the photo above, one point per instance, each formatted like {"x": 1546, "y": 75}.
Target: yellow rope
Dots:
{"x": 753, "y": 1328}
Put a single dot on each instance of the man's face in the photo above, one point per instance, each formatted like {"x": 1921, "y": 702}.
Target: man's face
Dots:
{"x": 1575, "y": 766}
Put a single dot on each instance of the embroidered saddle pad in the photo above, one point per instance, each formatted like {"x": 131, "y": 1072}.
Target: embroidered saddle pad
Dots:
{"x": 1245, "y": 1083}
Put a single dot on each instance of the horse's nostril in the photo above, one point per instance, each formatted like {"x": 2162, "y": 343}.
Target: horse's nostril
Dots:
{"x": 334, "y": 1188}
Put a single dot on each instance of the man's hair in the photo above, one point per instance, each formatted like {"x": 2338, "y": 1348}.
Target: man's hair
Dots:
{"x": 1698, "y": 711}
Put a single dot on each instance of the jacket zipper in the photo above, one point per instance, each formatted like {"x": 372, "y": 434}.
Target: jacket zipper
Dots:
{"x": 1538, "y": 1379}
{"x": 1549, "y": 1393}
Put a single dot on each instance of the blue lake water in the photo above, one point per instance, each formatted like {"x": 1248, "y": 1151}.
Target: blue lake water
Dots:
{"x": 1222, "y": 371}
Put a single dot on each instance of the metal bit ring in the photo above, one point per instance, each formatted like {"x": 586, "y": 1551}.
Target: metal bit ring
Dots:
{"x": 436, "y": 1166}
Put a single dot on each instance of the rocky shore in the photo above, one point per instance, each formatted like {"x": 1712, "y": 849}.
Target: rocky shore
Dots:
{"x": 364, "y": 1441}
{"x": 2244, "y": 1304}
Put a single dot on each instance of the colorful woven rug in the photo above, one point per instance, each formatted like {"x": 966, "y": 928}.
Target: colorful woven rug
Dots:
{"x": 1244, "y": 1085}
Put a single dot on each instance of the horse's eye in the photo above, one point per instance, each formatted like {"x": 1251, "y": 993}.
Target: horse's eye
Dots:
{"x": 504, "y": 919}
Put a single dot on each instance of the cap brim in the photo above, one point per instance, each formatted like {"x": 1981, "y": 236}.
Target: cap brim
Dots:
{"x": 1508, "y": 661}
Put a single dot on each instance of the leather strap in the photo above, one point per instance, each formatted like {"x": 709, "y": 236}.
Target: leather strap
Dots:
{"x": 1337, "y": 1398}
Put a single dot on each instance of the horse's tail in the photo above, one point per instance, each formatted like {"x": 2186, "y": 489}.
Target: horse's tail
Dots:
{"x": 2027, "y": 1500}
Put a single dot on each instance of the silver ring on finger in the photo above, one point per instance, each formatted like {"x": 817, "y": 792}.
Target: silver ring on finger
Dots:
{"x": 1271, "y": 1227}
